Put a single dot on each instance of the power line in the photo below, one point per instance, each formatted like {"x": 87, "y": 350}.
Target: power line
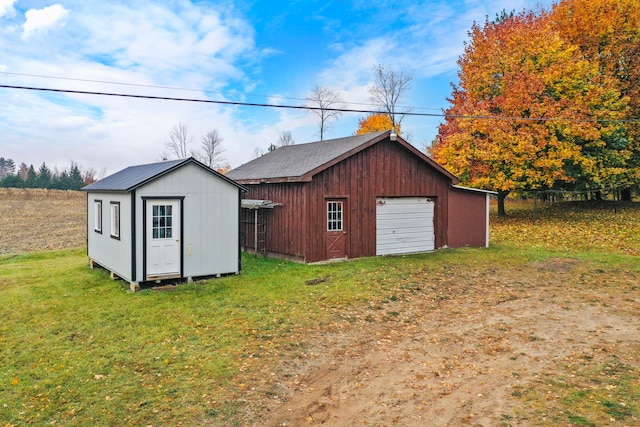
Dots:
{"x": 302, "y": 107}
{"x": 206, "y": 101}
{"x": 186, "y": 89}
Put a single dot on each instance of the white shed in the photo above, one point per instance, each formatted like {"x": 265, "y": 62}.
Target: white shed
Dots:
{"x": 177, "y": 219}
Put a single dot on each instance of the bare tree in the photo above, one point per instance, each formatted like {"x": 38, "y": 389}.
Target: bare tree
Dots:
{"x": 257, "y": 152}
{"x": 211, "y": 144}
{"x": 427, "y": 145}
{"x": 389, "y": 86}
{"x": 178, "y": 143}
{"x": 285, "y": 139}
{"x": 101, "y": 174}
{"x": 322, "y": 99}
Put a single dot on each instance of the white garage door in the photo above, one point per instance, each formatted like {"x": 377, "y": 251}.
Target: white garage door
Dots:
{"x": 404, "y": 225}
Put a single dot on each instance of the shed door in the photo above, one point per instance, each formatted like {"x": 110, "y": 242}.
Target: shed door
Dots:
{"x": 335, "y": 232}
{"x": 404, "y": 225}
{"x": 163, "y": 239}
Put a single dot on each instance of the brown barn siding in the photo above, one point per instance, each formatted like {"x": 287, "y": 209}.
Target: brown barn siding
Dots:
{"x": 284, "y": 224}
{"x": 383, "y": 170}
{"x": 467, "y": 218}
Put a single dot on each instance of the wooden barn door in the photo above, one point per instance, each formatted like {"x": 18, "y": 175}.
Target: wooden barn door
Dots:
{"x": 335, "y": 231}
{"x": 163, "y": 239}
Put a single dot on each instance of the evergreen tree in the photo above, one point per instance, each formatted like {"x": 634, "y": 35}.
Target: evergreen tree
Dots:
{"x": 61, "y": 181}
{"x": 44, "y": 177}
{"x": 11, "y": 181}
{"x": 75, "y": 177}
{"x": 32, "y": 178}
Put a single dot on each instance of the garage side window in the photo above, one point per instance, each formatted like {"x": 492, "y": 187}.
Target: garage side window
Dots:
{"x": 97, "y": 216}
{"x": 115, "y": 220}
{"x": 334, "y": 216}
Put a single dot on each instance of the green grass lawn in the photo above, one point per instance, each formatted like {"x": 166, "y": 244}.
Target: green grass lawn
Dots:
{"x": 77, "y": 349}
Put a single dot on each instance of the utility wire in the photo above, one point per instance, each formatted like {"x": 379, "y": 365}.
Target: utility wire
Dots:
{"x": 188, "y": 89}
{"x": 302, "y": 107}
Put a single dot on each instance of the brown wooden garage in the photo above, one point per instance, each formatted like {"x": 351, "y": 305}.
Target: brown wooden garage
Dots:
{"x": 350, "y": 197}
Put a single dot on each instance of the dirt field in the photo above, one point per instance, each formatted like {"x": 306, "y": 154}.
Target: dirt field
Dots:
{"x": 38, "y": 220}
{"x": 462, "y": 350}
{"x": 495, "y": 345}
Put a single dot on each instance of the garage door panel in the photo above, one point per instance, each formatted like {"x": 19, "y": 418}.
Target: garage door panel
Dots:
{"x": 405, "y": 248}
{"x": 408, "y": 216}
{"x": 404, "y": 225}
{"x": 416, "y": 232}
{"x": 419, "y": 223}
{"x": 406, "y": 239}
{"x": 403, "y": 236}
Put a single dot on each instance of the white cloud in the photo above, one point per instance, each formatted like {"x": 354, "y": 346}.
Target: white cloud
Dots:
{"x": 350, "y": 72}
{"x": 179, "y": 44}
{"x": 6, "y": 8}
{"x": 40, "y": 20}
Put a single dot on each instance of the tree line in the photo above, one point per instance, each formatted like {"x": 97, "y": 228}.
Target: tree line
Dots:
{"x": 23, "y": 176}
{"x": 548, "y": 101}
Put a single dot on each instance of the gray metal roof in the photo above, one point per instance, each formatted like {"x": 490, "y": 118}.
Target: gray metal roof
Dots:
{"x": 479, "y": 190}
{"x": 258, "y": 204}
{"x": 299, "y": 159}
{"x": 133, "y": 177}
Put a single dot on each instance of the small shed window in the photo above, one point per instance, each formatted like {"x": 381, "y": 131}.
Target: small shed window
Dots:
{"x": 334, "y": 216}
{"x": 97, "y": 216}
{"x": 115, "y": 220}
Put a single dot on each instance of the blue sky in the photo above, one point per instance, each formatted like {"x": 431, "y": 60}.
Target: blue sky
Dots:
{"x": 248, "y": 51}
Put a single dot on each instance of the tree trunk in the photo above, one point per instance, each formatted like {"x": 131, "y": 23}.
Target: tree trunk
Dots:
{"x": 501, "y": 196}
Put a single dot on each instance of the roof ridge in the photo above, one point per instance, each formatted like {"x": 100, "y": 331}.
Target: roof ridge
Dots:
{"x": 366, "y": 136}
{"x": 134, "y": 176}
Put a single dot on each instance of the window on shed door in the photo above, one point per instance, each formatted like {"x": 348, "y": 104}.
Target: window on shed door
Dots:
{"x": 334, "y": 216}
{"x": 162, "y": 222}
{"x": 115, "y": 220}
{"x": 97, "y": 216}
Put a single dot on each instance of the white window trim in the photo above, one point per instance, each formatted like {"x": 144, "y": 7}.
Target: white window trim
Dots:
{"x": 115, "y": 220}
{"x": 97, "y": 216}
{"x": 333, "y": 223}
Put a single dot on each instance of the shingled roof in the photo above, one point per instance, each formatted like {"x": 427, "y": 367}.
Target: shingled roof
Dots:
{"x": 133, "y": 177}
{"x": 301, "y": 161}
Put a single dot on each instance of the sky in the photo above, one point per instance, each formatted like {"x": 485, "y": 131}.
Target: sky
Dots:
{"x": 266, "y": 52}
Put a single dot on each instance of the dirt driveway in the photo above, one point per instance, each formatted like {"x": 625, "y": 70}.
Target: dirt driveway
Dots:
{"x": 462, "y": 350}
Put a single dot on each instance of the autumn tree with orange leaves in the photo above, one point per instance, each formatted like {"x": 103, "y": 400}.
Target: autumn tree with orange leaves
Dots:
{"x": 375, "y": 123}
{"x": 607, "y": 33}
{"x": 527, "y": 106}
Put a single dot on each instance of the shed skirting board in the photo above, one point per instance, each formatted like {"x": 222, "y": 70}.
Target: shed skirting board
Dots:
{"x": 133, "y": 285}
